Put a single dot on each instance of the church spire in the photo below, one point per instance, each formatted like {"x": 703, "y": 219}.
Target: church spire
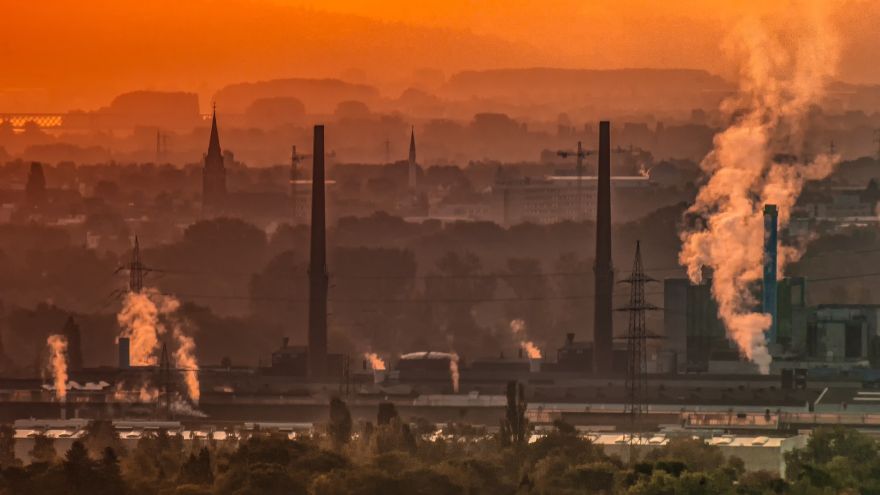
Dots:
{"x": 412, "y": 158}
{"x": 214, "y": 143}
{"x": 214, "y": 172}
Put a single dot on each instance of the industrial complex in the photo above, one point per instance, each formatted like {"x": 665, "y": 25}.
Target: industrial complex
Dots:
{"x": 686, "y": 378}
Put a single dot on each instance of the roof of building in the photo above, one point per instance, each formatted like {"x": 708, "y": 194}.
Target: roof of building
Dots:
{"x": 428, "y": 355}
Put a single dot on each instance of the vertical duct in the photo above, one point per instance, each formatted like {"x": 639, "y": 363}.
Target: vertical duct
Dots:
{"x": 602, "y": 324}
{"x": 318, "y": 265}
{"x": 124, "y": 345}
{"x": 769, "y": 294}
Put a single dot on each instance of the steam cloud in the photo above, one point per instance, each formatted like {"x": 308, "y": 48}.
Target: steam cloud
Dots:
{"x": 147, "y": 316}
{"x": 58, "y": 364}
{"x": 780, "y": 81}
{"x": 376, "y": 363}
{"x": 518, "y": 327}
{"x": 453, "y": 371}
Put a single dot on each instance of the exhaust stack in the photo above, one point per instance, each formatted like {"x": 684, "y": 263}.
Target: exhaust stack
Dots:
{"x": 124, "y": 347}
{"x": 771, "y": 216}
{"x": 602, "y": 323}
{"x": 318, "y": 265}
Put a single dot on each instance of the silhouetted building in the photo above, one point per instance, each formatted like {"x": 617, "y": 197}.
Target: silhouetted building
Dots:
{"x": 214, "y": 172}
{"x": 693, "y": 330}
{"x": 289, "y": 360}
{"x": 35, "y": 189}
{"x": 602, "y": 322}
{"x": 552, "y": 199}
{"x": 574, "y": 356}
{"x": 74, "y": 345}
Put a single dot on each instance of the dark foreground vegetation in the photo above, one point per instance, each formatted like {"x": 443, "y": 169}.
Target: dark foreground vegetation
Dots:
{"x": 396, "y": 457}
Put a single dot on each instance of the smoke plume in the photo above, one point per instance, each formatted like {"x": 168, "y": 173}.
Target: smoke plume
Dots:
{"x": 185, "y": 360}
{"x": 760, "y": 158}
{"x": 518, "y": 327}
{"x": 376, "y": 363}
{"x": 453, "y": 371}
{"x": 58, "y": 364}
{"x": 147, "y": 316}
{"x": 139, "y": 319}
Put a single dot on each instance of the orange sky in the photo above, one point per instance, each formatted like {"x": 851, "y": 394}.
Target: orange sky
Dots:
{"x": 61, "y": 54}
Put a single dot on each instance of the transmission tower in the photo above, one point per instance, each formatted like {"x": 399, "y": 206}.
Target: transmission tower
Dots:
{"x": 136, "y": 269}
{"x": 636, "y": 345}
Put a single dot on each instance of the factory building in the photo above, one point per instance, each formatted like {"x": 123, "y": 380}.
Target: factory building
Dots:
{"x": 555, "y": 199}
{"x": 831, "y": 335}
{"x": 843, "y": 333}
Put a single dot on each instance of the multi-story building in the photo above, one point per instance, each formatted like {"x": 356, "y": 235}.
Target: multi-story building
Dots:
{"x": 554, "y": 199}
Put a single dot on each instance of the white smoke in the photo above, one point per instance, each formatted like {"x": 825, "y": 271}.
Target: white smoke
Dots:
{"x": 453, "y": 371}
{"x": 376, "y": 363}
{"x": 145, "y": 317}
{"x": 57, "y": 345}
{"x": 783, "y": 76}
{"x": 518, "y": 328}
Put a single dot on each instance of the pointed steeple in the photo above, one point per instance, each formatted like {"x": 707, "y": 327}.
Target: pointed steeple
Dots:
{"x": 412, "y": 159}
{"x": 214, "y": 172}
{"x": 412, "y": 145}
{"x": 214, "y": 142}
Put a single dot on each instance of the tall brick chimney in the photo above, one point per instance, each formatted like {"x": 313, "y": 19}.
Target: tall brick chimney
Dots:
{"x": 602, "y": 323}
{"x": 318, "y": 265}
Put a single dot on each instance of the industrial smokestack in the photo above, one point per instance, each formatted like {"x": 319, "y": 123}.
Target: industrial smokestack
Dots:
{"x": 318, "y": 265}
{"x": 769, "y": 297}
{"x": 602, "y": 324}
{"x": 124, "y": 345}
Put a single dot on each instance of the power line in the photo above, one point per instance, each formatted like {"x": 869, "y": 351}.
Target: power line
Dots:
{"x": 422, "y": 300}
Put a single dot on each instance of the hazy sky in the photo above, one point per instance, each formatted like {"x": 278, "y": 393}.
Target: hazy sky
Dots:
{"x": 61, "y": 54}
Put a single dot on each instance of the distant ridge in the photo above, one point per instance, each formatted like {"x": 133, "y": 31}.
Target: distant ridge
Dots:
{"x": 319, "y": 95}
{"x": 542, "y": 78}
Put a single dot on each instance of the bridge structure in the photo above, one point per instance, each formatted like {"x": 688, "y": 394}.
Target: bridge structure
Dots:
{"x": 60, "y": 120}
{"x": 42, "y": 120}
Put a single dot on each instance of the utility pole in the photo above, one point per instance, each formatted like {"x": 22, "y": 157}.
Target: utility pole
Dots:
{"x": 636, "y": 340}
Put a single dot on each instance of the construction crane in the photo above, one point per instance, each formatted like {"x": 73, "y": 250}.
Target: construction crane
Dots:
{"x": 580, "y": 154}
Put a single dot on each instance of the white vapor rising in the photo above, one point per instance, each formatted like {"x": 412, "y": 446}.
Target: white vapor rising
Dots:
{"x": 783, "y": 76}
{"x": 185, "y": 358}
{"x": 147, "y": 316}
{"x": 518, "y": 327}
{"x": 453, "y": 371}
{"x": 58, "y": 364}
{"x": 376, "y": 363}
{"x": 139, "y": 319}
